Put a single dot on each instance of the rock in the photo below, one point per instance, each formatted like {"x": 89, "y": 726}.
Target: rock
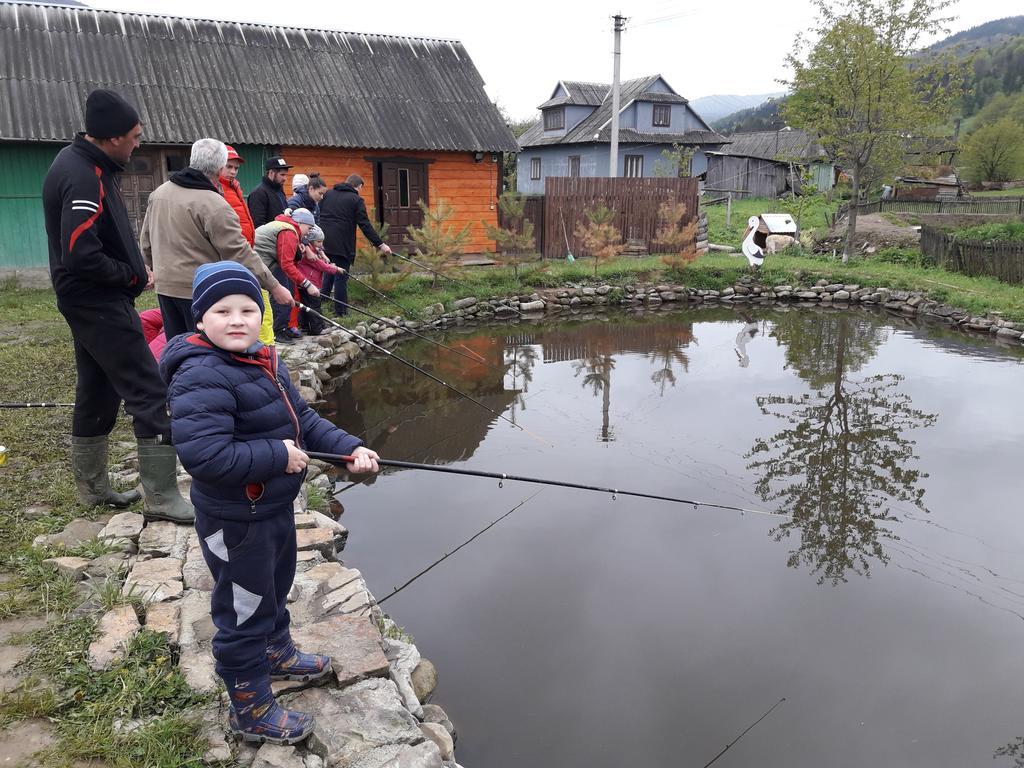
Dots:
{"x": 72, "y": 567}
{"x": 841, "y": 295}
{"x": 195, "y": 572}
{"x": 1007, "y": 333}
{"x": 469, "y": 301}
{"x": 355, "y": 720}
{"x": 124, "y": 525}
{"x": 440, "y": 736}
{"x": 434, "y": 714}
{"x": 217, "y": 751}
{"x": 115, "y": 631}
{"x": 505, "y": 311}
{"x": 603, "y": 290}
{"x": 79, "y": 531}
{"x": 305, "y": 520}
{"x": 424, "y": 679}
{"x": 403, "y": 658}
{"x": 196, "y": 664}
{"x": 354, "y": 645}
{"x": 532, "y": 306}
{"x": 36, "y": 511}
{"x": 155, "y": 580}
{"x": 319, "y": 539}
{"x": 104, "y": 566}
{"x": 273, "y": 756}
{"x": 807, "y": 295}
{"x": 352, "y": 598}
{"x": 314, "y": 761}
{"x": 20, "y": 740}
{"x": 158, "y": 539}
{"x": 306, "y": 560}
{"x": 165, "y": 618}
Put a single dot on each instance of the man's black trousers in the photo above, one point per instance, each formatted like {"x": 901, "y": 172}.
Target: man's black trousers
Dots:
{"x": 114, "y": 364}
{"x": 177, "y": 315}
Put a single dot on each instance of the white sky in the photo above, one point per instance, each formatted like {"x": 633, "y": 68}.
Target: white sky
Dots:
{"x": 523, "y": 48}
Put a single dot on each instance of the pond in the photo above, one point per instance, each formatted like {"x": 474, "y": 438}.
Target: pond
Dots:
{"x": 887, "y": 608}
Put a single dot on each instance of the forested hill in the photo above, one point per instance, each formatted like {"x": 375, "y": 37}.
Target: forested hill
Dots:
{"x": 985, "y": 35}
{"x": 764, "y": 117}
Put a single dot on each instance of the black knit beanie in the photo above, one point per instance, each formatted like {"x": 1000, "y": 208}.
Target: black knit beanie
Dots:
{"x": 107, "y": 115}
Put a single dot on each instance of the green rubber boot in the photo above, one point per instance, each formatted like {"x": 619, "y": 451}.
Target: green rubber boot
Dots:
{"x": 89, "y": 462}
{"x": 158, "y": 470}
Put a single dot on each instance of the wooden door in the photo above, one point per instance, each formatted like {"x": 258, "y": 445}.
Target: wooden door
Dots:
{"x": 403, "y": 185}
{"x": 137, "y": 182}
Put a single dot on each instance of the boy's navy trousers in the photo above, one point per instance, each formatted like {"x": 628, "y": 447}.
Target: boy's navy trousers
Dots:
{"x": 253, "y": 566}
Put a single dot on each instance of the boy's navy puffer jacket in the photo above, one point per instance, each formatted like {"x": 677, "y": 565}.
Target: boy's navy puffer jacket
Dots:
{"x": 229, "y": 416}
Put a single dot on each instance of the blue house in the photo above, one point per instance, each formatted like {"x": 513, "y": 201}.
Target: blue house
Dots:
{"x": 572, "y": 136}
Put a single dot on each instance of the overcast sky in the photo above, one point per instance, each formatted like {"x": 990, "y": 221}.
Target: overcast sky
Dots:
{"x": 523, "y": 48}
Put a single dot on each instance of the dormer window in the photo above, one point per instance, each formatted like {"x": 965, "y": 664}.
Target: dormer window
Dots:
{"x": 662, "y": 115}
{"x": 554, "y": 119}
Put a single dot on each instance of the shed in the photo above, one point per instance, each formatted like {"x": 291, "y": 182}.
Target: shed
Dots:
{"x": 410, "y": 115}
{"x": 763, "y": 163}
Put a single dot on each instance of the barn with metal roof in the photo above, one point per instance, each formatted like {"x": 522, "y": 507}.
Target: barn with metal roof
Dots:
{"x": 410, "y": 115}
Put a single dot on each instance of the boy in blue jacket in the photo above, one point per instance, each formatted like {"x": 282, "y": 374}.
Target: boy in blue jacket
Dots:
{"x": 239, "y": 428}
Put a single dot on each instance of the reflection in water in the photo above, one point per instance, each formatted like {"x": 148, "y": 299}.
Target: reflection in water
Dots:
{"x": 1013, "y": 751}
{"x": 747, "y": 332}
{"x": 599, "y": 378}
{"x": 845, "y": 456}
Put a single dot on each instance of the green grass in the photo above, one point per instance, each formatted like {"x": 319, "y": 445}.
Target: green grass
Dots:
{"x": 1003, "y": 231}
{"x": 1015, "y": 192}
{"x": 812, "y": 217}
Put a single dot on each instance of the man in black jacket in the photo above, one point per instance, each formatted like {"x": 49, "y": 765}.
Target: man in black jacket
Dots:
{"x": 268, "y": 200}
{"x": 341, "y": 211}
{"x": 97, "y": 272}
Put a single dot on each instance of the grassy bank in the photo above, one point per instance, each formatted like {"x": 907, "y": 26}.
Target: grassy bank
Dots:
{"x": 812, "y": 217}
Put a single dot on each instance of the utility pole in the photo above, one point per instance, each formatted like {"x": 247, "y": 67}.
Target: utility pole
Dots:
{"x": 613, "y": 161}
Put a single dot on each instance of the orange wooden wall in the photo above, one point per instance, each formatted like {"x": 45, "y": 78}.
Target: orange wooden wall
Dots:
{"x": 469, "y": 186}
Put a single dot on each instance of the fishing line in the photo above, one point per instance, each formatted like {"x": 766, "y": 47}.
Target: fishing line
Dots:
{"x": 501, "y": 477}
{"x": 436, "y": 563}
{"x": 429, "y": 375}
{"x": 384, "y": 296}
{"x": 750, "y": 727}
{"x": 477, "y": 359}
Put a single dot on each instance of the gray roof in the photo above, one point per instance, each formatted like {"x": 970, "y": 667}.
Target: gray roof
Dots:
{"x": 191, "y": 78}
{"x": 785, "y": 145}
{"x": 585, "y": 94}
{"x": 629, "y": 91}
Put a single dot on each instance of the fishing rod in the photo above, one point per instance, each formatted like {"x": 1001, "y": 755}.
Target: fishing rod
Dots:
{"x": 37, "y": 405}
{"x": 436, "y": 563}
{"x": 416, "y": 368}
{"x": 475, "y": 358}
{"x": 501, "y": 477}
{"x": 749, "y": 728}
{"x": 440, "y": 274}
{"x": 383, "y": 295}
{"x": 432, "y": 271}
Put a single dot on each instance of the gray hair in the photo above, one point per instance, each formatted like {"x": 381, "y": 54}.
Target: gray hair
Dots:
{"x": 208, "y": 156}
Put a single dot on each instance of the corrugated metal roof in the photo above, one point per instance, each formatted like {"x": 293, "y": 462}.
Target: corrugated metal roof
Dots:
{"x": 785, "y": 145}
{"x": 595, "y": 123}
{"x": 578, "y": 92}
{"x": 191, "y": 78}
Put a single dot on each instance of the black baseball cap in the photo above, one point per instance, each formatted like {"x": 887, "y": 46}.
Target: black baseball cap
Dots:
{"x": 277, "y": 163}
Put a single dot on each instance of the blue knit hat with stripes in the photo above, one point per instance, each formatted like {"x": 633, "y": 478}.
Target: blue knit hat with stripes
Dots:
{"x": 212, "y": 282}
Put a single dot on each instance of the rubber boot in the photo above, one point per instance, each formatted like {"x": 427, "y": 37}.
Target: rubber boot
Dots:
{"x": 158, "y": 469}
{"x": 89, "y": 461}
{"x": 255, "y": 715}
{"x": 289, "y": 663}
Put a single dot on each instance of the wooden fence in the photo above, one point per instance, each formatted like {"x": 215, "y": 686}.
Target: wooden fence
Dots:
{"x": 1001, "y": 260}
{"x": 635, "y": 202}
{"x": 1011, "y": 205}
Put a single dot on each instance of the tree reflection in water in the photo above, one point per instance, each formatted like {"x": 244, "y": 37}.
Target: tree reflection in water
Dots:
{"x": 598, "y": 376}
{"x": 845, "y": 455}
{"x": 1013, "y": 751}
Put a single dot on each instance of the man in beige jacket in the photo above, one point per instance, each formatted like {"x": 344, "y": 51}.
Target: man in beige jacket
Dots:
{"x": 189, "y": 223}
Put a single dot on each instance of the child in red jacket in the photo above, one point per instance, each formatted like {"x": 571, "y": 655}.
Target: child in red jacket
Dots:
{"x": 313, "y": 265}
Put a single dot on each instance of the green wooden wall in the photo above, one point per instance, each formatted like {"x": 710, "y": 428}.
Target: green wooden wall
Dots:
{"x": 22, "y": 170}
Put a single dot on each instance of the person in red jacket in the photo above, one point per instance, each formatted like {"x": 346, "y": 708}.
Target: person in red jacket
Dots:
{"x": 153, "y": 330}
{"x": 235, "y": 196}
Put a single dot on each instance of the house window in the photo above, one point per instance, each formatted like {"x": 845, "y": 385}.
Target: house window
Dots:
{"x": 634, "y": 166}
{"x": 662, "y": 115}
{"x": 574, "y": 165}
{"x": 554, "y": 119}
{"x": 535, "y": 168}
{"x": 403, "y": 187}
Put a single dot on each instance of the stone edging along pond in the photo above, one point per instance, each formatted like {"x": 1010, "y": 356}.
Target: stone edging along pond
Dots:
{"x": 318, "y": 360}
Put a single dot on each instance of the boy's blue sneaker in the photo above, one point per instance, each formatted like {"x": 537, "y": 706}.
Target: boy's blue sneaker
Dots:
{"x": 289, "y": 663}
{"x": 255, "y": 715}
{"x": 295, "y": 333}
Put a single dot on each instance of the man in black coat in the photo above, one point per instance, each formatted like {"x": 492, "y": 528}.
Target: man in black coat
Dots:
{"x": 341, "y": 211}
{"x": 97, "y": 272}
{"x": 268, "y": 200}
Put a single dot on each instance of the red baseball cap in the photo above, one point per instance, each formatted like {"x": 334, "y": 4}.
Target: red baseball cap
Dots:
{"x": 232, "y": 155}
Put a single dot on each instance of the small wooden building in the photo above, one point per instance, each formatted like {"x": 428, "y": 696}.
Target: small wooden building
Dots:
{"x": 409, "y": 115}
{"x": 768, "y": 164}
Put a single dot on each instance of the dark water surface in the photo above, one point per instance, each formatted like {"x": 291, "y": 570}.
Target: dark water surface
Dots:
{"x": 582, "y": 631}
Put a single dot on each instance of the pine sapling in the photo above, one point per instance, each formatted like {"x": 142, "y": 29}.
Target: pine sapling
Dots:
{"x": 436, "y": 240}
{"x": 677, "y": 234}
{"x": 516, "y": 237}
{"x": 600, "y": 238}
